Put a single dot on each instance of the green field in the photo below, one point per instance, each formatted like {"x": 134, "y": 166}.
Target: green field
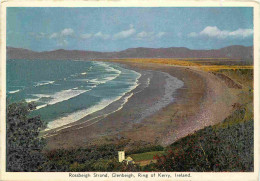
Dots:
{"x": 145, "y": 156}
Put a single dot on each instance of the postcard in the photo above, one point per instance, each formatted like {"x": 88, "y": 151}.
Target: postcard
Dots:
{"x": 129, "y": 90}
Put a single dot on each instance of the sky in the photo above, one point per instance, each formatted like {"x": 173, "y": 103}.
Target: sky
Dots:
{"x": 116, "y": 29}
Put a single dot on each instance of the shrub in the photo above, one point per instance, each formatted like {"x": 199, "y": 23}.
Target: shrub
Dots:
{"x": 223, "y": 149}
{"x": 23, "y": 145}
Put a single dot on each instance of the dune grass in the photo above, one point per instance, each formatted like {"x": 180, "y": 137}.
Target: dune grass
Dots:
{"x": 216, "y": 64}
{"x": 214, "y": 68}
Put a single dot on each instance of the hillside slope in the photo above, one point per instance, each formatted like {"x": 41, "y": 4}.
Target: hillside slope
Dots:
{"x": 233, "y": 52}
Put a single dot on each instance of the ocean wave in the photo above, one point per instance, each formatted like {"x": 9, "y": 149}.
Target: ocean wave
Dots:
{"x": 74, "y": 75}
{"x": 73, "y": 115}
{"x": 31, "y": 100}
{"x": 43, "y": 83}
{"x": 78, "y": 114}
{"x": 82, "y": 73}
{"x": 41, "y": 106}
{"x": 107, "y": 67}
{"x": 37, "y": 98}
{"x": 61, "y": 122}
{"x": 98, "y": 81}
{"x": 60, "y": 96}
{"x": 80, "y": 80}
{"x": 148, "y": 82}
{"x": 171, "y": 85}
{"x": 124, "y": 101}
{"x": 13, "y": 92}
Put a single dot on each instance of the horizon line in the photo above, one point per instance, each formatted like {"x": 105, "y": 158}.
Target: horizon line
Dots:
{"x": 121, "y": 50}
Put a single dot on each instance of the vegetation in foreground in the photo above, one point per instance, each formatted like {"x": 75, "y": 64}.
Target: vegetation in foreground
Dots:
{"x": 23, "y": 146}
{"x": 217, "y": 148}
{"x": 227, "y": 146}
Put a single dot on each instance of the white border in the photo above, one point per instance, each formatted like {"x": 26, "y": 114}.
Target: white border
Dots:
{"x": 130, "y": 3}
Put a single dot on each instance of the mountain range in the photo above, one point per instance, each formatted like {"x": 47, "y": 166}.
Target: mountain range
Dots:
{"x": 233, "y": 52}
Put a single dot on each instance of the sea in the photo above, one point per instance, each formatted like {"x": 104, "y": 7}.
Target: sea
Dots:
{"x": 65, "y": 91}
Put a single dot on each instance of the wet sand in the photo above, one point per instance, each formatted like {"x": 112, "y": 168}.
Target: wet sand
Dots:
{"x": 203, "y": 100}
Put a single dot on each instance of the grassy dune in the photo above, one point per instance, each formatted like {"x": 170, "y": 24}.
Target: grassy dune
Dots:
{"x": 206, "y": 64}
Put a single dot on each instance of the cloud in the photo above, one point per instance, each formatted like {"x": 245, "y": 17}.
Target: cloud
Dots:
{"x": 160, "y": 34}
{"x": 67, "y": 32}
{"x": 62, "y": 34}
{"x": 86, "y": 36}
{"x": 193, "y": 34}
{"x": 144, "y": 34}
{"x": 149, "y": 35}
{"x": 62, "y": 42}
{"x": 215, "y": 32}
{"x": 53, "y": 35}
{"x": 38, "y": 36}
{"x": 125, "y": 33}
{"x": 242, "y": 32}
{"x": 61, "y": 37}
{"x": 102, "y": 36}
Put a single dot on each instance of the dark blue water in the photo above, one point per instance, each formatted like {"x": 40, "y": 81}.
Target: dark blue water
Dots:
{"x": 66, "y": 91}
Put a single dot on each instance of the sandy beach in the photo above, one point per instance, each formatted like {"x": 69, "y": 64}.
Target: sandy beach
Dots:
{"x": 201, "y": 99}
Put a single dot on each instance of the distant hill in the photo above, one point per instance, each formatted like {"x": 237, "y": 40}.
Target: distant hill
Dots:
{"x": 234, "y": 52}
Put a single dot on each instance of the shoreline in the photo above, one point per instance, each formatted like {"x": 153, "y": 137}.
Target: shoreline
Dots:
{"x": 167, "y": 87}
{"x": 187, "y": 113}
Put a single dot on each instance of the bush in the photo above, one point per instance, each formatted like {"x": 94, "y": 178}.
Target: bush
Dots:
{"x": 23, "y": 145}
{"x": 223, "y": 149}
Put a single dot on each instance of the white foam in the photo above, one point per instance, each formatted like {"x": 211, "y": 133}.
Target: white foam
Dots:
{"x": 43, "y": 83}
{"x": 75, "y": 116}
{"x": 39, "y": 96}
{"x": 103, "y": 80}
{"x": 15, "y": 91}
{"x": 107, "y": 67}
{"x": 74, "y": 75}
{"x": 148, "y": 82}
{"x": 81, "y": 80}
{"x": 98, "y": 81}
{"x": 41, "y": 106}
{"x": 60, "y": 96}
{"x": 78, "y": 114}
{"x": 125, "y": 100}
{"x": 82, "y": 113}
{"x": 172, "y": 84}
{"x": 31, "y": 100}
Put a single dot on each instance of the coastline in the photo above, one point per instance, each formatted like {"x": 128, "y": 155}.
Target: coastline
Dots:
{"x": 196, "y": 104}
